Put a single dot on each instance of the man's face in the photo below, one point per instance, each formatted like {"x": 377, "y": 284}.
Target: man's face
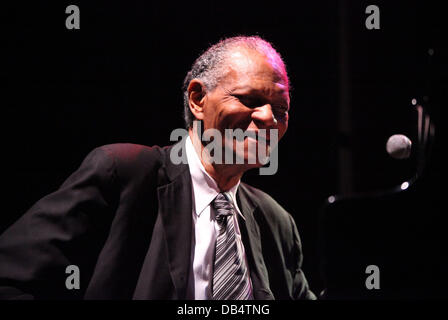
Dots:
{"x": 253, "y": 91}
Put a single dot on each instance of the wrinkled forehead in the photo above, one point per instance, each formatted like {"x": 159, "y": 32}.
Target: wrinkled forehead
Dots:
{"x": 250, "y": 65}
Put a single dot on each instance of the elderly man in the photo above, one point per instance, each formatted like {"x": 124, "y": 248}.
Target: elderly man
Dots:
{"x": 133, "y": 224}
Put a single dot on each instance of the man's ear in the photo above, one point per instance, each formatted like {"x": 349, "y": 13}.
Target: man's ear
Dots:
{"x": 196, "y": 95}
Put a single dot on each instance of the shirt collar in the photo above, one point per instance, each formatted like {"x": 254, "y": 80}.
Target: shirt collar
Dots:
{"x": 205, "y": 188}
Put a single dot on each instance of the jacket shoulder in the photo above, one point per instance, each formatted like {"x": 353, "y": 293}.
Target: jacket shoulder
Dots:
{"x": 130, "y": 160}
{"x": 132, "y": 152}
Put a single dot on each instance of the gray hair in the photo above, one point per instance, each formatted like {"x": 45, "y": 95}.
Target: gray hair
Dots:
{"x": 208, "y": 68}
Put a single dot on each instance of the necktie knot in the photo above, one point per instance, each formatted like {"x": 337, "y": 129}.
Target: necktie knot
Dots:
{"x": 223, "y": 207}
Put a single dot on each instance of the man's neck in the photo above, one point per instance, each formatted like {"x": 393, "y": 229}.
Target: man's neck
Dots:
{"x": 225, "y": 175}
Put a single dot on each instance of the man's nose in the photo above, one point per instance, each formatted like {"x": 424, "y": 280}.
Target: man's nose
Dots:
{"x": 264, "y": 117}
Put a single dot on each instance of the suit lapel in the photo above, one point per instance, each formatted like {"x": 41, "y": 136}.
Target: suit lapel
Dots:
{"x": 251, "y": 236}
{"x": 175, "y": 205}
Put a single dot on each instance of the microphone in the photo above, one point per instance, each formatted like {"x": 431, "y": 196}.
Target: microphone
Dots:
{"x": 399, "y": 146}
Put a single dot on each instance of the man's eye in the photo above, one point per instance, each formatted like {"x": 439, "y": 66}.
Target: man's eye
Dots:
{"x": 248, "y": 102}
{"x": 281, "y": 114}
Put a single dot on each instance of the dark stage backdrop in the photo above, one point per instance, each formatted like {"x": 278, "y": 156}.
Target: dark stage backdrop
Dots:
{"x": 118, "y": 79}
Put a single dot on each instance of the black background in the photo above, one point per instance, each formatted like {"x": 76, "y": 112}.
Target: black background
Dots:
{"x": 118, "y": 79}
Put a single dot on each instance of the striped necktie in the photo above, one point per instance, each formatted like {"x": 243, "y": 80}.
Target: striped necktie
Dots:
{"x": 230, "y": 273}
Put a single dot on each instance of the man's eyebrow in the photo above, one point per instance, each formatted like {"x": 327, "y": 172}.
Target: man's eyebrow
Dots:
{"x": 247, "y": 89}
{"x": 250, "y": 93}
{"x": 243, "y": 88}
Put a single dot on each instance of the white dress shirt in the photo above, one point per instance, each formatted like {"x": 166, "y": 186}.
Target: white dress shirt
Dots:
{"x": 205, "y": 227}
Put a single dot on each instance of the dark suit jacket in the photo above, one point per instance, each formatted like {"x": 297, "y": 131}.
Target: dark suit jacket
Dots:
{"x": 125, "y": 219}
